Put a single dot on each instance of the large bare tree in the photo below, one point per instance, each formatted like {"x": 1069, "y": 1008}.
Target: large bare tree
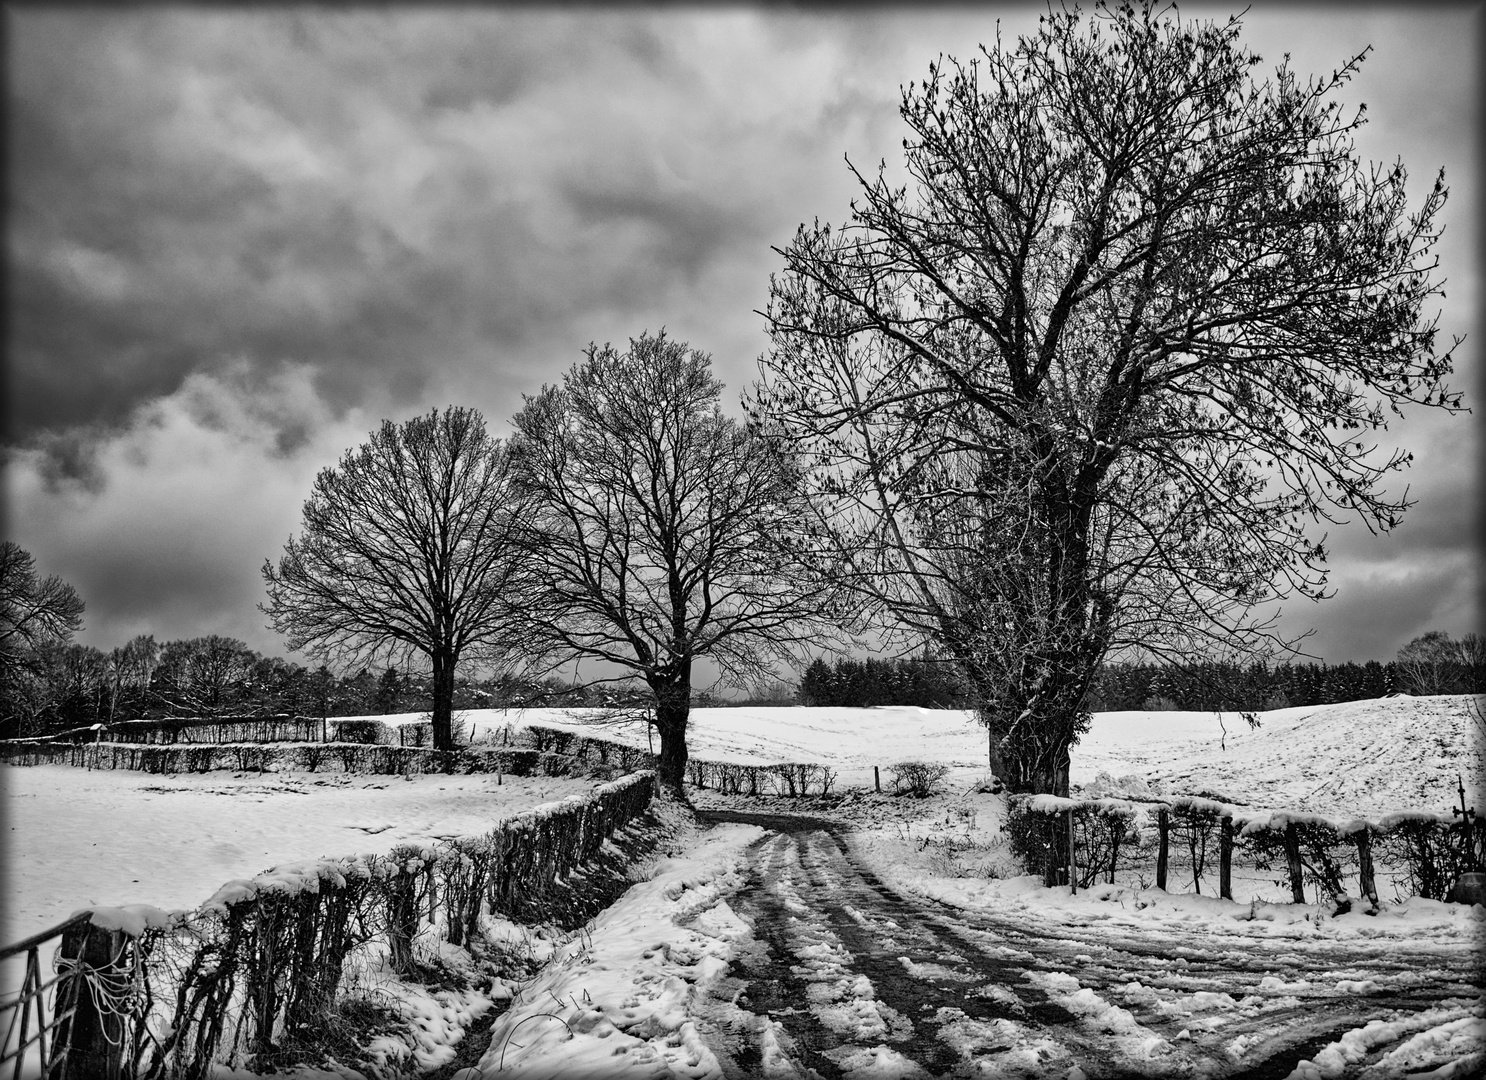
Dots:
{"x": 1091, "y": 377}
{"x": 661, "y": 531}
{"x": 407, "y": 551}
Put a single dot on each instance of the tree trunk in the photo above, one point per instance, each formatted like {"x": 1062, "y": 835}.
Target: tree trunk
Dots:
{"x": 672, "y": 710}
{"x": 1033, "y": 721}
{"x": 443, "y": 699}
{"x": 1294, "y": 864}
{"x": 1367, "y": 881}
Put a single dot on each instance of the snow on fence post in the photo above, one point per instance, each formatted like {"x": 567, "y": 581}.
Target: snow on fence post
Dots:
{"x": 1163, "y": 828}
{"x": 95, "y": 976}
{"x": 1293, "y": 862}
{"x": 1225, "y": 858}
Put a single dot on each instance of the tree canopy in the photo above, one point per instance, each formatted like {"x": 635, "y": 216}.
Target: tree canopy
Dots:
{"x": 660, "y": 529}
{"x": 1089, "y": 380}
{"x": 408, "y": 551}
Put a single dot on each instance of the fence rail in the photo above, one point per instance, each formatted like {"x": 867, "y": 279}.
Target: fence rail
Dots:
{"x": 25, "y": 1016}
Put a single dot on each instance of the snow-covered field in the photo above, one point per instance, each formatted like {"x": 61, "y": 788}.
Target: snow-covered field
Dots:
{"x": 649, "y": 985}
{"x": 76, "y": 837}
{"x": 80, "y": 838}
{"x": 1364, "y": 758}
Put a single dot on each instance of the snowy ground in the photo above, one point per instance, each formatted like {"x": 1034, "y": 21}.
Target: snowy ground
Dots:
{"x": 80, "y": 838}
{"x": 653, "y": 987}
{"x": 768, "y": 953}
{"x": 1156, "y": 983}
{"x": 1364, "y": 758}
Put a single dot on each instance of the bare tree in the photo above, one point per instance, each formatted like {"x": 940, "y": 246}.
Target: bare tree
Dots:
{"x": 1435, "y": 663}
{"x": 131, "y": 666}
{"x": 407, "y": 552}
{"x": 34, "y": 611}
{"x": 200, "y": 674}
{"x": 1088, "y": 380}
{"x": 661, "y": 529}
{"x": 37, "y": 616}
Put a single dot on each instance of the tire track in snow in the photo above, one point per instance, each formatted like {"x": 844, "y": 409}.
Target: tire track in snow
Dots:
{"x": 843, "y": 968}
{"x": 850, "y": 975}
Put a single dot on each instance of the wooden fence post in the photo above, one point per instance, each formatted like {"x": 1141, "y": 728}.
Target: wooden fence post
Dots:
{"x": 1225, "y": 859}
{"x": 1292, "y": 860}
{"x": 1072, "y": 877}
{"x": 876, "y": 779}
{"x": 1163, "y": 827}
{"x": 1367, "y": 883}
{"x": 95, "y": 970}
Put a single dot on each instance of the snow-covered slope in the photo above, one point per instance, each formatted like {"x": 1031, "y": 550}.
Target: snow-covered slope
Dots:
{"x": 1356, "y": 757}
{"x": 1359, "y": 757}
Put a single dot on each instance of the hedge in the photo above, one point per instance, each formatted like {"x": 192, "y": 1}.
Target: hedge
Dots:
{"x": 260, "y": 964}
{"x": 793, "y": 779}
{"x": 1431, "y": 849}
{"x": 371, "y": 746}
{"x": 312, "y": 757}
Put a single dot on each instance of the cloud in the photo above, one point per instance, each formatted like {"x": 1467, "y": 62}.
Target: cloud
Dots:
{"x": 388, "y": 197}
{"x": 238, "y": 238}
{"x": 201, "y": 491}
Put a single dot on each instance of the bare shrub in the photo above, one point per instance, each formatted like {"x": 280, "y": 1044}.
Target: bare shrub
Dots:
{"x": 1426, "y": 850}
{"x": 1196, "y": 823}
{"x": 366, "y": 732}
{"x": 919, "y": 779}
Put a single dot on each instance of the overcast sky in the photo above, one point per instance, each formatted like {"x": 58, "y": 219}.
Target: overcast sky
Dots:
{"x": 240, "y": 237}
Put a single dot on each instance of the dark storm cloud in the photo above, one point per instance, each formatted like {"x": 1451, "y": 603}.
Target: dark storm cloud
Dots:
{"x": 197, "y": 189}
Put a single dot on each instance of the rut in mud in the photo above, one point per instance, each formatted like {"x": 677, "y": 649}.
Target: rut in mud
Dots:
{"x": 844, "y": 973}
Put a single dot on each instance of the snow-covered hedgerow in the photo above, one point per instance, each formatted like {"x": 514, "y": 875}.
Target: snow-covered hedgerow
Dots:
{"x": 249, "y": 974}
{"x": 1430, "y": 850}
{"x": 1037, "y": 827}
{"x": 793, "y": 779}
{"x": 350, "y": 757}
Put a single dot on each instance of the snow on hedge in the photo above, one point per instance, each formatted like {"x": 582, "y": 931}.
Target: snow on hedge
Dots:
{"x": 307, "y": 875}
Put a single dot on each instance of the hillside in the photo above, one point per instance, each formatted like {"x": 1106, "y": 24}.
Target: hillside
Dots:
{"x": 1359, "y": 757}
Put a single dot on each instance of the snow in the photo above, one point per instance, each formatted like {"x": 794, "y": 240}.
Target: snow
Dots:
{"x": 615, "y": 1001}
{"x": 1459, "y": 1034}
{"x": 1353, "y": 759}
{"x": 634, "y": 992}
{"x": 80, "y": 838}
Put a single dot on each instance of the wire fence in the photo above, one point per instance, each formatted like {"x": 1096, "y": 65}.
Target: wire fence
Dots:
{"x": 31, "y": 1015}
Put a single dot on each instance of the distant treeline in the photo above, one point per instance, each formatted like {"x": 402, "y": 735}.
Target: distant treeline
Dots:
{"x": 849, "y": 683}
{"x": 71, "y": 685}
{"x": 1431, "y": 664}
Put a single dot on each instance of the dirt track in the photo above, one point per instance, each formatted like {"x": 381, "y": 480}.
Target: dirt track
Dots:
{"x": 841, "y": 964}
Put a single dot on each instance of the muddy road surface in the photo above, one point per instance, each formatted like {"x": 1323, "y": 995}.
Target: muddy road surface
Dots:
{"x": 846, "y": 976}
